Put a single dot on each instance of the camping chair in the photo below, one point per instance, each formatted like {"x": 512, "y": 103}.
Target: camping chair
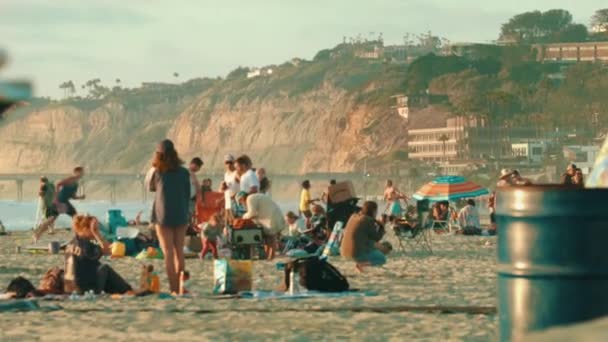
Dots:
{"x": 417, "y": 236}
{"x": 442, "y": 226}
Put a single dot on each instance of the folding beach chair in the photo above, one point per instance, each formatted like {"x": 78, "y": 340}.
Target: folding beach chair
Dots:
{"x": 416, "y": 237}
{"x": 440, "y": 226}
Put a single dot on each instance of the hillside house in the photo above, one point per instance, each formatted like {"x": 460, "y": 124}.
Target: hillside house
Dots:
{"x": 572, "y": 52}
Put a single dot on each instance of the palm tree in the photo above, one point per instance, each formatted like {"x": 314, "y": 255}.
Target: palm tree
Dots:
{"x": 444, "y": 138}
{"x": 64, "y": 86}
{"x": 71, "y": 88}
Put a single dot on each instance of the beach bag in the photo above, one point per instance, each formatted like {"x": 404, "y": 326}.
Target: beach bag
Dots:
{"x": 232, "y": 276}
{"x": 471, "y": 231}
{"x": 118, "y": 249}
{"x": 316, "y": 275}
{"x": 52, "y": 281}
{"x": 194, "y": 243}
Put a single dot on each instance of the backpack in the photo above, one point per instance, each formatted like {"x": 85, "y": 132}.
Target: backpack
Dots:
{"x": 316, "y": 275}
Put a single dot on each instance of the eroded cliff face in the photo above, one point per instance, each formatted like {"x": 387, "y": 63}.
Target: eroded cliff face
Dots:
{"x": 318, "y": 131}
{"x": 55, "y": 138}
{"x": 321, "y": 131}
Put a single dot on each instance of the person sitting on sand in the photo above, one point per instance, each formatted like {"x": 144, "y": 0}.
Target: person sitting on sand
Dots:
{"x": 361, "y": 234}
{"x": 83, "y": 270}
{"x": 468, "y": 219}
{"x": 296, "y": 226}
{"x": 66, "y": 190}
{"x": 211, "y": 231}
{"x": 265, "y": 211}
{"x": 566, "y": 178}
{"x": 317, "y": 227}
{"x": 578, "y": 179}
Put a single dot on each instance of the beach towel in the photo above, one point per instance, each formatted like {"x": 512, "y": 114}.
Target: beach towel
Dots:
{"x": 304, "y": 294}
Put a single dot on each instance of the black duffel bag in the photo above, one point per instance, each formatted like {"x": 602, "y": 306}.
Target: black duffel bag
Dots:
{"x": 316, "y": 275}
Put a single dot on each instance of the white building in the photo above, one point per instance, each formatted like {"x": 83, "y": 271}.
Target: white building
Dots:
{"x": 402, "y": 105}
{"x": 532, "y": 151}
{"x": 599, "y": 28}
{"x": 259, "y": 72}
{"x": 582, "y": 156}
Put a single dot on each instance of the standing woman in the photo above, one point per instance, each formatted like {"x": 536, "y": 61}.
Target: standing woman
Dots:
{"x": 171, "y": 183}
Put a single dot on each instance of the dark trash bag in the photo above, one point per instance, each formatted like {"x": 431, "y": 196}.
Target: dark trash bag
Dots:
{"x": 316, "y": 275}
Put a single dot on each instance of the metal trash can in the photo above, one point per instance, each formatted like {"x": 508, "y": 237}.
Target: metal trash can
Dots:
{"x": 54, "y": 247}
{"x": 552, "y": 257}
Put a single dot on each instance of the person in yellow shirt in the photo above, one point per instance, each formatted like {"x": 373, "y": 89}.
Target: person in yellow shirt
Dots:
{"x": 306, "y": 200}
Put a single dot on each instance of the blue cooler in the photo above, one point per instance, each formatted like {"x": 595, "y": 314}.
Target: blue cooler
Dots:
{"x": 115, "y": 219}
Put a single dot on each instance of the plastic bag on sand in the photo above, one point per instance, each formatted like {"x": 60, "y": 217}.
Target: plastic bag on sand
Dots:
{"x": 150, "y": 253}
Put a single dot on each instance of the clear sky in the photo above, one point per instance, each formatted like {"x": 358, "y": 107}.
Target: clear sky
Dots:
{"x": 51, "y": 41}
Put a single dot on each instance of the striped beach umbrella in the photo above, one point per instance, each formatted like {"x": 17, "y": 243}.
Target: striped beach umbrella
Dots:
{"x": 449, "y": 188}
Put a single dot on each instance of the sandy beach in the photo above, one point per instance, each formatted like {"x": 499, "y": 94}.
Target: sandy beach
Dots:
{"x": 460, "y": 272}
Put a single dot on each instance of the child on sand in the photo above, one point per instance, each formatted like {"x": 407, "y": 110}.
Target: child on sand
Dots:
{"x": 83, "y": 270}
{"x": 211, "y": 232}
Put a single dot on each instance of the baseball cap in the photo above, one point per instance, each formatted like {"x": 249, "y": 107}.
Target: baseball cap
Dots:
{"x": 505, "y": 172}
{"x": 229, "y": 158}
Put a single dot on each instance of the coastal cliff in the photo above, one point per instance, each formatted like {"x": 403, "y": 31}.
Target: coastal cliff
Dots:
{"x": 324, "y": 115}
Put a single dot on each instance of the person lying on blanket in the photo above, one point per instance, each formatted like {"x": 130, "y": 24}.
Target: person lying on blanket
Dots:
{"x": 83, "y": 270}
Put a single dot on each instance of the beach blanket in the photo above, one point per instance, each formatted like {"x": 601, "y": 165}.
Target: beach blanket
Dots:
{"x": 304, "y": 294}
{"x": 42, "y": 247}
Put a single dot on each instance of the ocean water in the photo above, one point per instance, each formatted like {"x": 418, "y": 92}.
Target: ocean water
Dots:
{"x": 23, "y": 215}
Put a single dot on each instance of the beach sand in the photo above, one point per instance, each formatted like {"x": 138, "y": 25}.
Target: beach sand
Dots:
{"x": 460, "y": 272}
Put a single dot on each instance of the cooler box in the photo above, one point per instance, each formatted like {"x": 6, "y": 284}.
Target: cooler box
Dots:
{"x": 342, "y": 192}
{"x": 115, "y": 219}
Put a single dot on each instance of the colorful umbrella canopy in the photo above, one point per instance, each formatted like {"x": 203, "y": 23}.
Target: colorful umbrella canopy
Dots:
{"x": 449, "y": 188}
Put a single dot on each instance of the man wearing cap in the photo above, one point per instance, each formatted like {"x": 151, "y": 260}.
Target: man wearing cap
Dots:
{"x": 230, "y": 187}
{"x": 567, "y": 177}
{"x": 505, "y": 178}
{"x": 264, "y": 211}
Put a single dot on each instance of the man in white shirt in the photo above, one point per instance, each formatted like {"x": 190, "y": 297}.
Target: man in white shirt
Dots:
{"x": 468, "y": 218}
{"x": 230, "y": 187}
{"x": 263, "y": 210}
{"x": 248, "y": 180}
